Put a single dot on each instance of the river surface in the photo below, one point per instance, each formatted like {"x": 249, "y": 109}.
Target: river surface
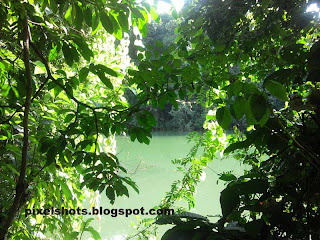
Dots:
{"x": 151, "y": 168}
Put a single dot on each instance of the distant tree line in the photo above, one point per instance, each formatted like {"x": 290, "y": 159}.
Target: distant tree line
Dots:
{"x": 189, "y": 114}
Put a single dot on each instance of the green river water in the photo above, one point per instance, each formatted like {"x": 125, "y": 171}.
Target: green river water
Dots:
{"x": 151, "y": 168}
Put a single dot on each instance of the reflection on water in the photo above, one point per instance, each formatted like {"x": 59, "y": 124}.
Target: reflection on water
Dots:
{"x": 151, "y": 168}
{"x": 123, "y": 237}
{"x": 119, "y": 237}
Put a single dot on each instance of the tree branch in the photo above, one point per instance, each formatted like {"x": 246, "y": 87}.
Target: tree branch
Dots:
{"x": 11, "y": 116}
{"x": 21, "y": 184}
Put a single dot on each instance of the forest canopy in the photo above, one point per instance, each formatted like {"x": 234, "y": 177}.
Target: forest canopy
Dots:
{"x": 76, "y": 73}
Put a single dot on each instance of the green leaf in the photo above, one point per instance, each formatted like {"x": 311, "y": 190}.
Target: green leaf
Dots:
{"x": 79, "y": 17}
{"x": 69, "y": 117}
{"x": 75, "y": 53}
{"x": 110, "y": 194}
{"x": 51, "y": 155}
{"x": 294, "y": 53}
{"x": 57, "y": 90}
{"x": 121, "y": 190}
{"x": 66, "y": 191}
{"x": 45, "y": 143}
{"x": 237, "y": 145}
{"x": 117, "y": 32}
{"x": 258, "y": 106}
{"x": 224, "y": 117}
{"x": 83, "y": 48}
{"x": 109, "y": 71}
{"x": 93, "y": 232}
{"x": 106, "y": 22}
{"x": 277, "y": 90}
{"x": 252, "y": 186}
{"x": 71, "y": 235}
{"x": 68, "y": 15}
{"x": 239, "y": 106}
{"x": 40, "y": 68}
{"x": 250, "y": 88}
{"x": 83, "y": 74}
{"x": 131, "y": 183}
{"x": 283, "y": 75}
{"x": 123, "y": 21}
{"x": 143, "y": 28}
{"x": 137, "y": 14}
{"x": 159, "y": 44}
{"x": 95, "y": 23}
{"x": 235, "y": 88}
{"x": 86, "y": 222}
{"x": 12, "y": 169}
{"x": 219, "y": 48}
{"x": 53, "y": 54}
{"x": 229, "y": 201}
{"x": 146, "y": 119}
{"x": 88, "y": 16}
{"x": 2, "y": 137}
{"x": 141, "y": 136}
{"x": 174, "y": 14}
{"x": 182, "y": 93}
{"x": 67, "y": 53}
{"x": 69, "y": 89}
{"x": 154, "y": 14}
{"x": 265, "y": 118}
{"x": 83, "y": 144}
{"x": 227, "y": 177}
{"x": 186, "y": 231}
{"x": 105, "y": 80}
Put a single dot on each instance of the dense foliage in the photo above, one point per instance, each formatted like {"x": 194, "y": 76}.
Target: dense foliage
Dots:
{"x": 62, "y": 80}
{"x": 64, "y": 74}
{"x": 274, "y": 45}
{"x": 190, "y": 114}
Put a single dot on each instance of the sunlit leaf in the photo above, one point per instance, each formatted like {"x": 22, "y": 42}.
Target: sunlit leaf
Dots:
{"x": 277, "y": 90}
{"x": 123, "y": 21}
{"x": 106, "y": 22}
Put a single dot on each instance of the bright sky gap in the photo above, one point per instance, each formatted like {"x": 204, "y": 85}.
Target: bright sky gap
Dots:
{"x": 314, "y": 8}
{"x": 164, "y": 7}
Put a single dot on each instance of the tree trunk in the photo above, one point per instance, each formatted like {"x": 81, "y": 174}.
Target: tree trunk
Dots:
{"x": 21, "y": 184}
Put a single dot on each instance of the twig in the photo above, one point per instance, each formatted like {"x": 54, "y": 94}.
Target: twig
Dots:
{"x": 134, "y": 172}
{"x": 39, "y": 24}
{"x": 40, "y": 89}
{"x": 301, "y": 146}
{"x": 97, "y": 130}
{"x": 7, "y": 106}
{"x": 84, "y": 226}
{"x": 12, "y": 115}
{"x": 11, "y": 61}
{"x": 43, "y": 167}
{"x": 142, "y": 231}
